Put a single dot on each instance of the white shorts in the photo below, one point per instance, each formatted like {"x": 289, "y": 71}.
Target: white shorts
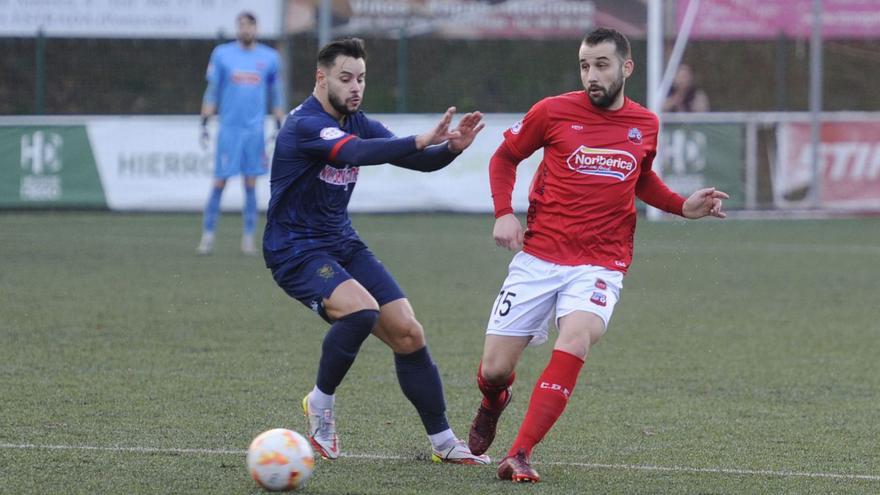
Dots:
{"x": 536, "y": 289}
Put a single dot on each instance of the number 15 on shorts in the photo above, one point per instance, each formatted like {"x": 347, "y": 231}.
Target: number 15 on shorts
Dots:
{"x": 503, "y": 303}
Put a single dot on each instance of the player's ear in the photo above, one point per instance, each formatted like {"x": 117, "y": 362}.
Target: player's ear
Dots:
{"x": 320, "y": 77}
{"x": 628, "y": 66}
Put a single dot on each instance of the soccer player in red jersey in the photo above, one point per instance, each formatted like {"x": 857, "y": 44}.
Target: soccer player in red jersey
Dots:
{"x": 598, "y": 149}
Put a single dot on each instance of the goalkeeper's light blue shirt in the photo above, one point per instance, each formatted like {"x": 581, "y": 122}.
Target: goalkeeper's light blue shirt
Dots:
{"x": 240, "y": 82}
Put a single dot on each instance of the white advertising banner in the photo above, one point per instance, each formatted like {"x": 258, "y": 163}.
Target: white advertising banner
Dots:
{"x": 156, "y": 164}
{"x": 134, "y": 18}
{"x": 462, "y": 186}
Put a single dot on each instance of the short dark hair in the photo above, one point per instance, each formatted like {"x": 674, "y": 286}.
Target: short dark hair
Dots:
{"x": 349, "y": 47}
{"x": 247, "y": 15}
{"x": 602, "y": 35}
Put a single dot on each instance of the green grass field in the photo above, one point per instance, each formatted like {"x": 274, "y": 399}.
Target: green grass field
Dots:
{"x": 742, "y": 358}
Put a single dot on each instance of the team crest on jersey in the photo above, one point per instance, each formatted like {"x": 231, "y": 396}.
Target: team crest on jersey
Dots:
{"x": 326, "y": 272}
{"x": 599, "y": 299}
{"x": 339, "y": 176}
{"x": 605, "y": 162}
{"x": 634, "y": 135}
{"x": 515, "y": 128}
{"x": 331, "y": 133}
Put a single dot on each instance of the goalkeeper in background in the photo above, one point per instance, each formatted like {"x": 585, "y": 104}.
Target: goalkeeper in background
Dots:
{"x": 241, "y": 75}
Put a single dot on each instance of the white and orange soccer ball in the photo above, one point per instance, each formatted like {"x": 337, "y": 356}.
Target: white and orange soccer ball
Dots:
{"x": 280, "y": 460}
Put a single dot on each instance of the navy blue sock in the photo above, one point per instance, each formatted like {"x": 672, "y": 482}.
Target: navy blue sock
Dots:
{"x": 340, "y": 347}
{"x": 420, "y": 381}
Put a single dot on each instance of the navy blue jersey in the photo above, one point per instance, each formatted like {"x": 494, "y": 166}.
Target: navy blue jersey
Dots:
{"x": 310, "y": 185}
{"x": 314, "y": 171}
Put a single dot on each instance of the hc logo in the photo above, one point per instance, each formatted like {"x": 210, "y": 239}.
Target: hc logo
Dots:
{"x": 41, "y": 153}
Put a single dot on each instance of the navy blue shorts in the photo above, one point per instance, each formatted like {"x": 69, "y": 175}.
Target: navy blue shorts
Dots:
{"x": 312, "y": 278}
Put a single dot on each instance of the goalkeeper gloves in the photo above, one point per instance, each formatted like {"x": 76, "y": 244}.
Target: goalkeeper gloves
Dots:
{"x": 204, "y": 137}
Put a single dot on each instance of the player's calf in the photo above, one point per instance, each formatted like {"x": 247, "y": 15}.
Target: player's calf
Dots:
{"x": 496, "y": 397}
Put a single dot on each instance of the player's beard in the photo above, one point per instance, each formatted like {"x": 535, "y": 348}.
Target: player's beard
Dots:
{"x": 339, "y": 105}
{"x": 247, "y": 41}
{"x": 609, "y": 95}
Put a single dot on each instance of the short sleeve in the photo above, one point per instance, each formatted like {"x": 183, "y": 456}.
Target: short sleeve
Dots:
{"x": 528, "y": 135}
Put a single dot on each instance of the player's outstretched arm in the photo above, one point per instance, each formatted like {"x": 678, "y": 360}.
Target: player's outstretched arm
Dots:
{"x": 704, "y": 202}
{"x": 436, "y": 157}
{"x": 508, "y": 232}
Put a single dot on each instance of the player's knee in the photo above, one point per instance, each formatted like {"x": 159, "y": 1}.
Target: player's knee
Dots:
{"x": 577, "y": 344}
{"x": 338, "y": 307}
{"x": 364, "y": 318}
{"x": 407, "y": 336}
{"x": 496, "y": 370}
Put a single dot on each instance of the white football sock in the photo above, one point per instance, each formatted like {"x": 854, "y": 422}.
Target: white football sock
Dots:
{"x": 443, "y": 440}
{"x": 319, "y": 400}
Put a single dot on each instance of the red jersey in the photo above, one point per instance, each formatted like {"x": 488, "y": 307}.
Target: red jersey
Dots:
{"x": 582, "y": 198}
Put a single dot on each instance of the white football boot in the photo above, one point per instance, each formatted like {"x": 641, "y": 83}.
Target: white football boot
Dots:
{"x": 206, "y": 245}
{"x": 322, "y": 430}
{"x": 248, "y": 246}
{"x": 459, "y": 453}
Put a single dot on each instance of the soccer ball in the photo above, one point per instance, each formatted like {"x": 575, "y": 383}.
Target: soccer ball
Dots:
{"x": 280, "y": 460}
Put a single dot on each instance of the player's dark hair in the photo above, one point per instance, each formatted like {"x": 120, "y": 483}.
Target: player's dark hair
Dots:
{"x": 247, "y": 15}
{"x": 602, "y": 35}
{"x": 348, "y": 47}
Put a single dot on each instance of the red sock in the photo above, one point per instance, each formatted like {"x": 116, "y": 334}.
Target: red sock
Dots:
{"x": 494, "y": 396}
{"x": 549, "y": 399}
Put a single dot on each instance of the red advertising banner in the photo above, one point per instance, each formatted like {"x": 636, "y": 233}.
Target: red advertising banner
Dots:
{"x": 767, "y": 19}
{"x": 849, "y": 165}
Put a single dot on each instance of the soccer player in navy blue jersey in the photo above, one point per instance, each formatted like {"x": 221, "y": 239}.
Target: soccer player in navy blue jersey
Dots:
{"x": 317, "y": 257}
{"x": 242, "y": 75}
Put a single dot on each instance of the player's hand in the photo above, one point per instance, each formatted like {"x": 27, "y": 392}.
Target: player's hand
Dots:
{"x": 468, "y": 127}
{"x": 704, "y": 202}
{"x": 204, "y": 137}
{"x": 439, "y": 133}
{"x": 508, "y": 232}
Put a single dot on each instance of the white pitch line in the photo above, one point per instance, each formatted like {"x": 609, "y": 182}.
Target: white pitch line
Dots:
{"x": 684, "y": 469}
{"x": 142, "y": 450}
{"x": 621, "y": 467}
{"x": 760, "y": 247}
